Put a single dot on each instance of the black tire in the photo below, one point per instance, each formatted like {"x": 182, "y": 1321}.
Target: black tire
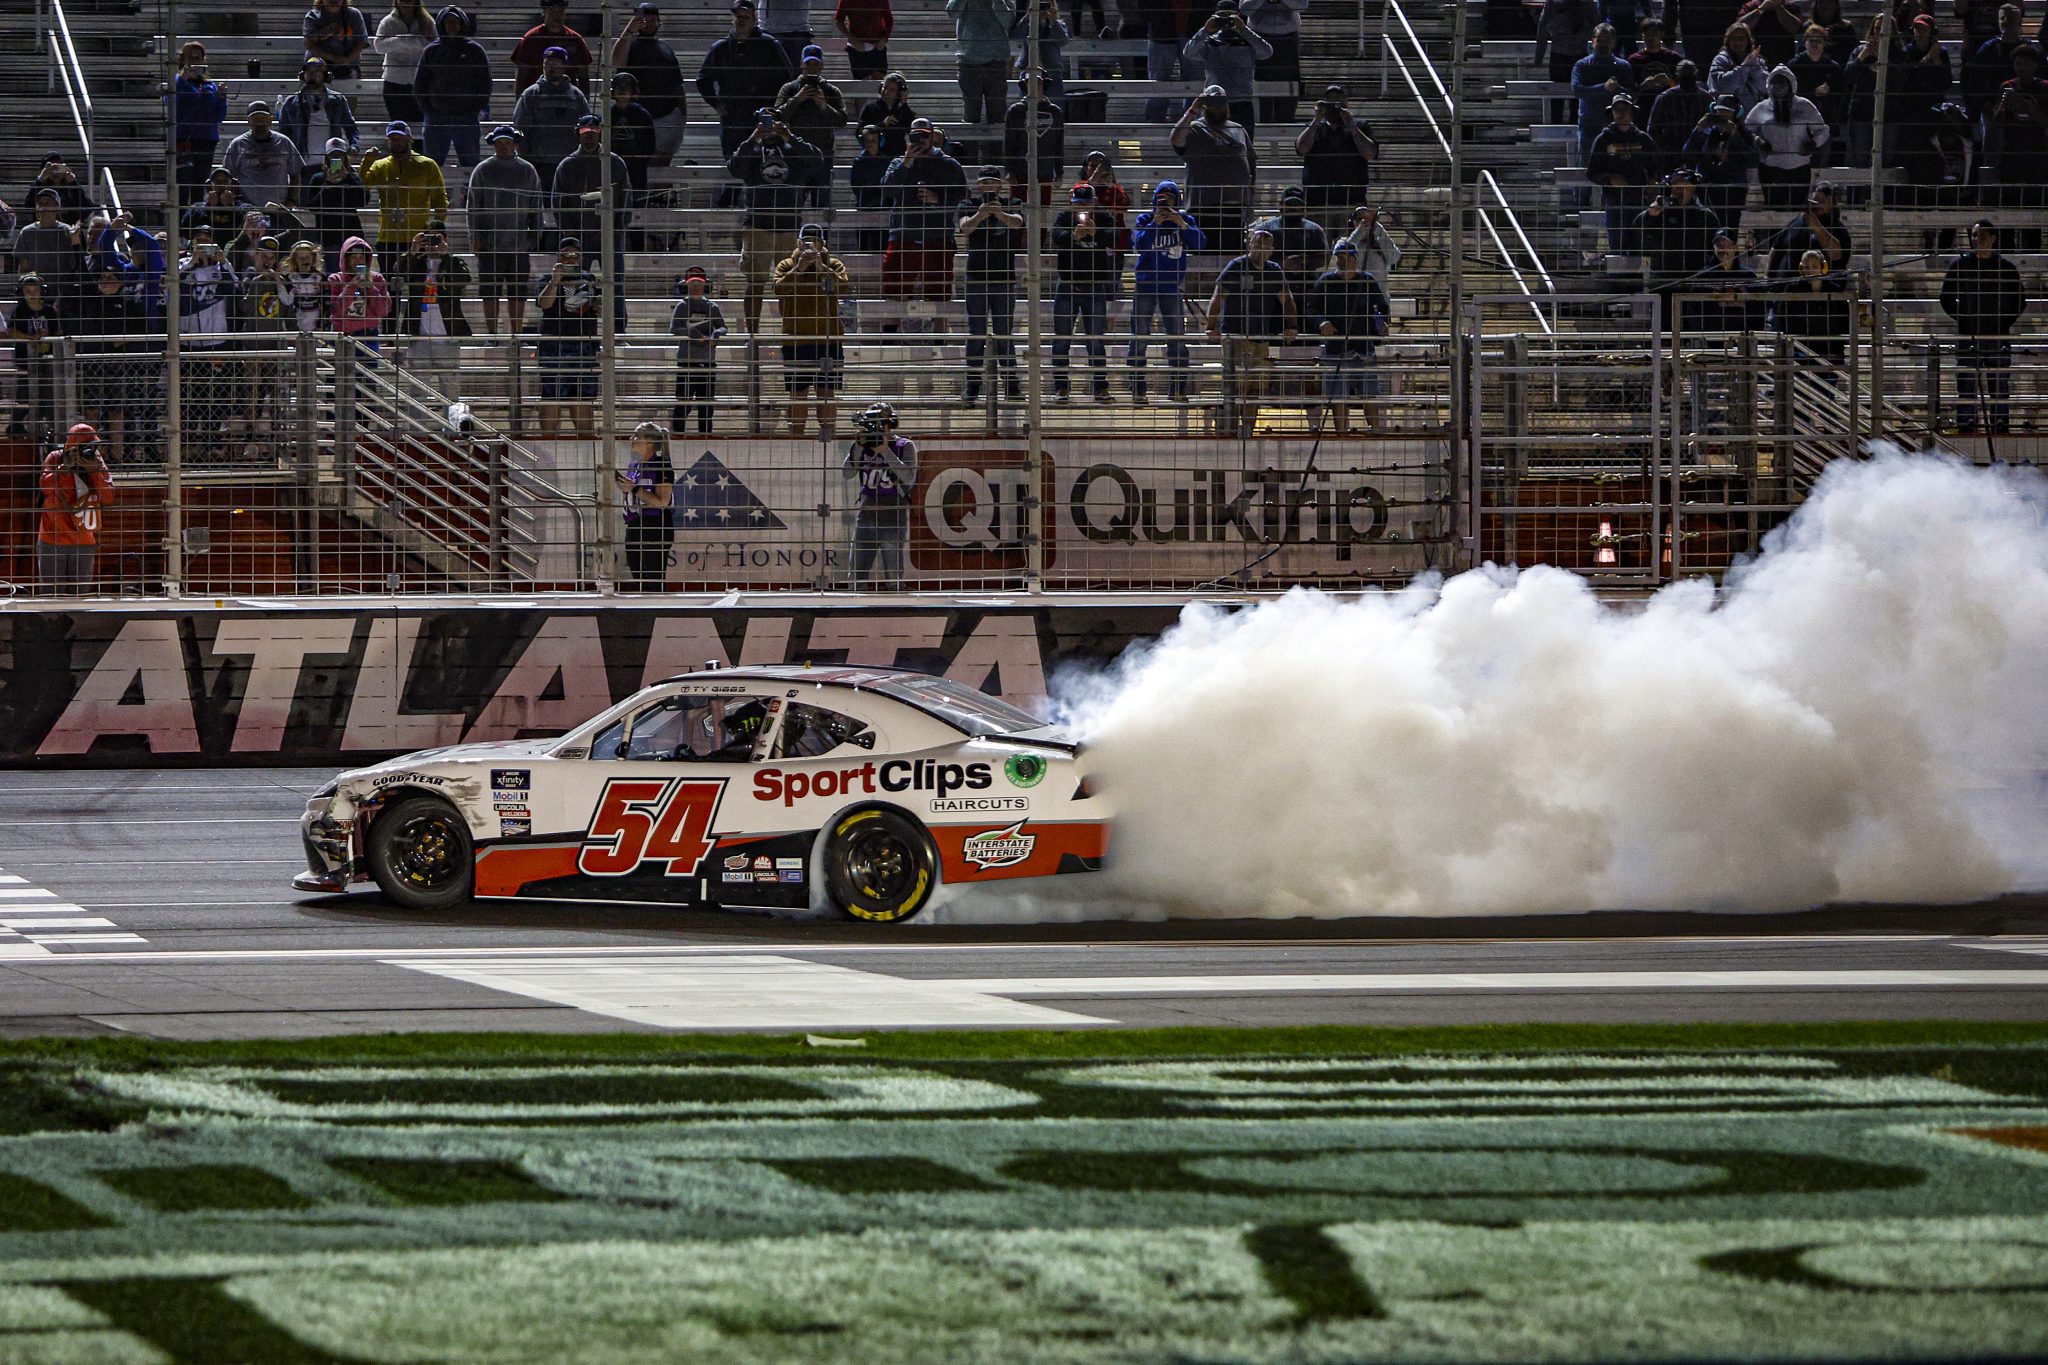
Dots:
{"x": 421, "y": 854}
{"x": 879, "y": 866}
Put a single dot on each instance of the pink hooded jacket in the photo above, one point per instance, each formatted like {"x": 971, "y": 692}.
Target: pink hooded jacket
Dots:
{"x": 357, "y": 309}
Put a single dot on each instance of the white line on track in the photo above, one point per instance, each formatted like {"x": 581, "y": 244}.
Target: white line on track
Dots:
{"x": 1265, "y": 983}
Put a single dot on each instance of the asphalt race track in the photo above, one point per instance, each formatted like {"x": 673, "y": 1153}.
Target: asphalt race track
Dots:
{"x": 159, "y": 903}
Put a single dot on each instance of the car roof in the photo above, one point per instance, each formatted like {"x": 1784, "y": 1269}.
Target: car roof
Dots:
{"x": 844, "y": 675}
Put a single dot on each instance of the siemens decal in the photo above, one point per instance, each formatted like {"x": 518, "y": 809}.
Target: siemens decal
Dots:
{"x": 896, "y": 775}
{"x": 1259, "y": 506}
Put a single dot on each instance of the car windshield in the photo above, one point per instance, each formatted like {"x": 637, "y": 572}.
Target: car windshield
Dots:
{"x": 963, "y": 707}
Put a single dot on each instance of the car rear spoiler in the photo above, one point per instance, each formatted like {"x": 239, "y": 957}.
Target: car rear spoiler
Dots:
{"x": 1045, "y": 737}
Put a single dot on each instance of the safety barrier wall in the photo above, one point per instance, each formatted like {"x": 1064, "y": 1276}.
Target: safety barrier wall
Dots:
{"x": 230, "y": 685}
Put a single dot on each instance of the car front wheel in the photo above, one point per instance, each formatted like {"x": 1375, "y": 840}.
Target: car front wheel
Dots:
{"x": 879, "y": 866}
{"x": 421, "y": 854}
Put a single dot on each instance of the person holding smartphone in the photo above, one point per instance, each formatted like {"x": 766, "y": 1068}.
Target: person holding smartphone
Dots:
{"x": 358, "y": 296}
{"x": 199, "y": 105}
{"x": 647, "y": 495}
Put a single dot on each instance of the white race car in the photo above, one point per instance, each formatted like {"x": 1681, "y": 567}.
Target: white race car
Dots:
{"x": 855, "y": 789}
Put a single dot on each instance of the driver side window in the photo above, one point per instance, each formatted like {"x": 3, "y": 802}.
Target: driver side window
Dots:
{"x": 687, "y": 729}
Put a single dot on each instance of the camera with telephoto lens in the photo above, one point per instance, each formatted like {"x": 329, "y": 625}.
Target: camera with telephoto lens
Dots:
{"x": 461, "y": 421}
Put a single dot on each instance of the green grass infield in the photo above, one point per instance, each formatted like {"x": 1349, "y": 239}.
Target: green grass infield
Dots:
{"x": 1856, "y": 1191}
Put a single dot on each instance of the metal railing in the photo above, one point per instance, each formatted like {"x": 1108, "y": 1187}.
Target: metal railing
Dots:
{"x": 69, "y": 73}
{"x": 1396, "y": 32}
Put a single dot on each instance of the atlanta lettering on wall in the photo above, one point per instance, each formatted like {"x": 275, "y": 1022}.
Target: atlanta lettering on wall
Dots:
{"x": 224, "y": 686}
{"x": 1129, "y": 513}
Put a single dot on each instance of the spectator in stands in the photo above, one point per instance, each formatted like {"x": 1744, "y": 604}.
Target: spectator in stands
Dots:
{"x": 1983, "y": 294}
{"x": 48, "y": 248}
{"x": 1220, "y": 166}
{"x": 453, "y": 86}
{"x": 56, "y": 174}
{"x": 1654, "y": 65}
{"x": 1249, "y": 310}
{"x": 578, "y": 190}
{"x": 1676, "y": 232}
{"x": 697, "y": 323}
{"x": 504, "y": 219}
{"x": 1979, "y": 20}
{"x": 305, "y": 286}
{"x": 788, "y": 22}
{"x": 1164, "y": 236}
{"x": 866, "y": 25}
{"x": 1776, "y": 26}
{"x": 864, "y": 178}
{"x": 647, "y": 487}
{"x": 1167, "y": 30}
{"x": 313, "y": 113}
{"x": 334, "y": 199}
{"x": 568, "y": 301}
{"x": 199, "y": 105}
{"x": 657, "y": 75}
{"x": 991, "y": 229}
{"x": 1597, "y": 78}
{"x": 206, "y": 289}
{"x": 633, "y": 138}
{"x": 1719, "y": 151}
{"x": 358, "y": 295}
{"x": 1622, "y": 165}
{"x": 1349, "y": 310}
{"x": 1826, "y": 15}
{"x": 1051, "y": 56}
{"x": 1084, "y": 255}
{"x": 1112, "y": 202}
{"x": 1562, "y": 33}
{"x": 110, "y": 365}
{"x": 809, "y": 284}
{"x": 1337, "y": 152}
{"x": 410, "y": 191}
{"x": 1051, "y": 124}
{"x": 1739, "y": 70}
{"x": 1299, "y": 242}
{"x": 1789, "y": 133}
{"x": 220, "y": 208}
{"x": 242, "y": 249}
{"x": 547, "y": 113}
{"x": 814, "y": 109}
{"x": 890, "y": 112}
{"x": 925, "y": 184}
{"x": 75, "y": 486}
{"x": 402, "y": 36}
{"x": 1859, "y": 80}
{"x": 1378, "y": 253}
{"x": 33, "y": 325}
{"x": 1731, "y": 305}
{"x": 337, "y": 33}
{"x": 741, "y": 74}
{"x": 774, "y": 165}
{"x": 1279, "y": 23}
{"x": 1986, "y": 69}
{"x": 1814, "y": 309}
{"x": 2020, "y": 117}
{"x": 1677, "y": 112}
{"x": 1818, "y": 228}
{"x": 981, "y": 32}
{"x": 262, "y": 315}
{"x": 265, "y": 163}
{"x": 1228, "y": 54}
{"x": 139, "y": 257}
{"x": 1919, "y": 85}
{"x": 1819, "y": 79}
{"x": 430, "y": 283}
{"x": 529, "y": 55}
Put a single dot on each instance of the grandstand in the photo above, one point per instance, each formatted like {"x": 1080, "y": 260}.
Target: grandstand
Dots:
{"x": 1538, "y": 398}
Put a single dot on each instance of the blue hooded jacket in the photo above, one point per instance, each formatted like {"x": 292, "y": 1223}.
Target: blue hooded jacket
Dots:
{"x": 198, "y": 108}
{"x": 1162, "y": 252}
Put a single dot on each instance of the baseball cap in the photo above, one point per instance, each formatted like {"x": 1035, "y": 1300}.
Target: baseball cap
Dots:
{"x": 813, "y": 51}
{"x": 49, "y": 157}
{"x": 560, "y": 54}
{"x": 335, "y": 144}
{"x": 1333, "y": 92}
{"x": 589, "y": 121}
{"x": 50, "y": 194}
{"x": 437, "y": 225}
{"x": 697, "y": 272}
{"x": 1920, "y": 20}
{"x": 568, "y": 242}
{"x": 398, "y": 127}
{"x": 1083, "y": 193}
{"x": 505, "y": 130}
{"x": 1622, "y": 101}
{"x": 1729, "y": 233}
{"x": 1345, "y": 244}
{"x": 29, "y": 277}
{"x": 1294, "y": 194}
{"x": 742, "y": 4}
{"x": 989, "y": 173}
{"x": 257, "y": 107}
{"x": 814, "y": 231}
{"x": 648, "y": 7}
{"x": 1166, "y": 187}
{"x": 1727, "y": 102}
{"x": 267, "y": 243}
{"x": 1214, "y": 92}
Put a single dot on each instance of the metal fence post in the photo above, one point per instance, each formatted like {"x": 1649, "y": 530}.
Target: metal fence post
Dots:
{"x": 174, "y": 379}
{"x": 609, "y": 290}
{"x": 501, "y": 578}
{"x": 345, "y": 414}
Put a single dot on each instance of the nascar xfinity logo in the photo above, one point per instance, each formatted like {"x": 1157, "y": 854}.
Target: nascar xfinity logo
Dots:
{"x": 897, "y": 775}
{"x": 999, "y": 847}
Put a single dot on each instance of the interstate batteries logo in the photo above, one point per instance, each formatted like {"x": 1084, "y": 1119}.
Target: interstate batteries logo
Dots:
{"x": 999, "y": 847}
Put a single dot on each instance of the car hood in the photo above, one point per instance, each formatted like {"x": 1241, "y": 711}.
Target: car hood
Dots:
{"x": 501, "y": 750}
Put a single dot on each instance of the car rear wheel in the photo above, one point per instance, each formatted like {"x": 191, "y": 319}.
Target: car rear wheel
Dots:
{"x": 421, "y": 854}
{"x": 879, "y": 866}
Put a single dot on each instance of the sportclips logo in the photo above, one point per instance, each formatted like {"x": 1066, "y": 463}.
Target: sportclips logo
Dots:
{"x": 1108, "y": 502}
{"x": 897, "y": 775}
{"x": 651, "y": 819}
